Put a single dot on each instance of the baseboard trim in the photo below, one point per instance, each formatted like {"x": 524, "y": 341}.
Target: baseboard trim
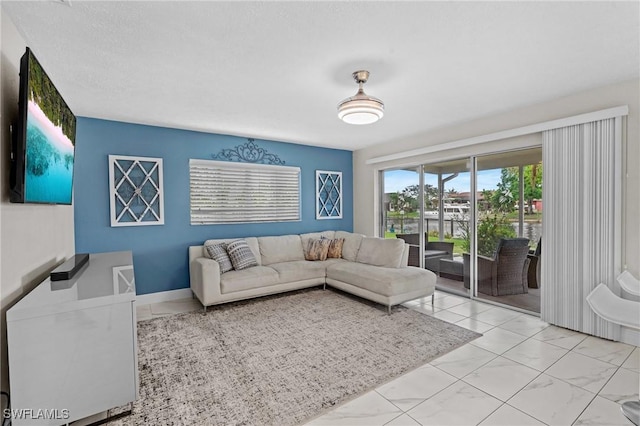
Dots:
{"x": 163, "y": 296}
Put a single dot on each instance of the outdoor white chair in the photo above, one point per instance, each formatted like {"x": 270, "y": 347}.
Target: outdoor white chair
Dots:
{"x": 619, "y": 311}
{"x": 629, "y": 283}
{"x": 613, "y": 308}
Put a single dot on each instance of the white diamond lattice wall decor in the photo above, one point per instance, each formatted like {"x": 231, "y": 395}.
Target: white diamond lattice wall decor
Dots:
{"x": 123, "y": 279}
{"x": 328, "y": 195}
{"x": 135, "y": 185}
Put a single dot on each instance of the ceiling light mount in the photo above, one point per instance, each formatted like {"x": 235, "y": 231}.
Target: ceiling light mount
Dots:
{"x": 360, "y": 77}
{"x": 360, "y": 108}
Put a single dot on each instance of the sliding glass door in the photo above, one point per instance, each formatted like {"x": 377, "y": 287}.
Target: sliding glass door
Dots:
{"x": 475, "y": 222}
{"x": 400, "y": 202}
{"x": 509, "y": 227}
{"x": 447, "y": 193}
{"x": 434, "y": 220}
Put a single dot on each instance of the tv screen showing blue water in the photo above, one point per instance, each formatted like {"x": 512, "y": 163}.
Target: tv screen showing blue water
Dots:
{"x": 50, "y": 141}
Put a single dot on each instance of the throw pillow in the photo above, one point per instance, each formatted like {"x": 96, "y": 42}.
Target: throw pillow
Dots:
{"x": 317, "y": 249}
{"x": 241, "y": 255}
{"x": 218, "y": 252}
{"x": 335, "y": 248}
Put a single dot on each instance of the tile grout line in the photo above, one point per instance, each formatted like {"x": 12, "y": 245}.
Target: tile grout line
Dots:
{"x": 585, "y": 408}
{"x": 496, "y": 356}
{"x": 539, "y": 373}
{"x": 399, "y": 415}
{"x": 595, "y": 394}
{"x": 502, "y": 402}
{"x": 391, "y": 402}
{"x": 440, "y": 391}
{"x": 525, "y": 413}
{"x": 607, "y": 382}
{"x": 491, "y": 413}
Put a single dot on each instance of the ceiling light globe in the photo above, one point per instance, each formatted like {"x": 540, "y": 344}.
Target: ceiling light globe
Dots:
{"x": 360, "y": 111}
{"x": 360, "y": 108}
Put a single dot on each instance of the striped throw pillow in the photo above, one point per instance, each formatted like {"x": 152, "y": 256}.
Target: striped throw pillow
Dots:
{"x": 218, "y": 252}
{"x": 241, "y": 255}
{"x": 317, "y": 249}
{"x": 335, "y": 247}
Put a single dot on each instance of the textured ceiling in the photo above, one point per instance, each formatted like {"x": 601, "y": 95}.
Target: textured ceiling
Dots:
{"x": 276, "y": 70}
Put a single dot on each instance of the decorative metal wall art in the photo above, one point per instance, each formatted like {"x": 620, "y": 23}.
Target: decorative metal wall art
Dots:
{"x": 249, "y": 152}
{"x": 135, "y": 186}
{"x": 328, "y": 195}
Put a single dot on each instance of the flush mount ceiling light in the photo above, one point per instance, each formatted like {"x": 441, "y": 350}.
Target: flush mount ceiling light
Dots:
{"x": 360, "y": 108}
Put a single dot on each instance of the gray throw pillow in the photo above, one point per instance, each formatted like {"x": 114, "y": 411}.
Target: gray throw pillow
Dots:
{"x": 241, "y": 255}
{"x": 218, "y": 252}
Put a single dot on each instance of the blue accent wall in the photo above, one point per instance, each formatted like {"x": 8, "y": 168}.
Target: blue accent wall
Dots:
{"x": 160, "y": 251}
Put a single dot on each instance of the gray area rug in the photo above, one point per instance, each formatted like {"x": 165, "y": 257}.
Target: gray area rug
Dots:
{"x": 278, "y": 360}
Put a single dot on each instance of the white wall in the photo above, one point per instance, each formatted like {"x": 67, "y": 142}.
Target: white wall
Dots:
{"x": 33, "y": 238}
{"x": 626, "y": 93}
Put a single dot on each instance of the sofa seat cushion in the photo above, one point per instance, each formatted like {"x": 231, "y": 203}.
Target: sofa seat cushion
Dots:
{"x": 330, "y": 262}
{"x": 381, "y": 280}
{"x": 247, "y": 279}
{"x": 300, "y": 270}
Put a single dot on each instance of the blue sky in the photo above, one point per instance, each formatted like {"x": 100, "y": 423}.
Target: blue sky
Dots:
{"x": 397, "y": 180}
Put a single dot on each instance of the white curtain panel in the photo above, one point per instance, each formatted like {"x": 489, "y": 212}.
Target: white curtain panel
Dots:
{"x": 581, "y": 216}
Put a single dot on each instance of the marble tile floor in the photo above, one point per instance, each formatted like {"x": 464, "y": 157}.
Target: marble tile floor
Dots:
{"x": 522, "y": 371}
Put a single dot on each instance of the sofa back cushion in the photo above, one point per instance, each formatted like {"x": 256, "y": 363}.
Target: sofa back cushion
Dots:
{"x": 351, "y": 244}
{"x": 283, "y": 248}
{"x": 381, "y": 252}
{"x": 252, "y": 242}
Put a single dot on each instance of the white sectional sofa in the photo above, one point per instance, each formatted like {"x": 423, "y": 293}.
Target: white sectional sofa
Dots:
{"x": 372, "y": 268}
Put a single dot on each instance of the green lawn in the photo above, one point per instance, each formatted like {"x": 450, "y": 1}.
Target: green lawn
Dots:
{"x": 457, "y": 244}
{"x": 398, "y": 215}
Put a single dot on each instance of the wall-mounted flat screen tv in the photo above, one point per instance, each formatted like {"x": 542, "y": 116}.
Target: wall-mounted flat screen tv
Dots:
{"x": 44, "y": 140}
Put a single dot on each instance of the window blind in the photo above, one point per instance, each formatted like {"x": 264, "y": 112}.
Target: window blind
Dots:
{"x": 226, "y": 192}
{"x": 582, "y": 223}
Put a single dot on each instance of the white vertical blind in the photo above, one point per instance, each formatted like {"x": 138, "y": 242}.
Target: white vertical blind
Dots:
{"x": 581, "y": 216}
{"x": 227, "y": 192}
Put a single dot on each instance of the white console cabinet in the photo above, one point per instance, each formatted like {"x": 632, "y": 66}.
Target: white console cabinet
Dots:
{"x": 73, "y": 344}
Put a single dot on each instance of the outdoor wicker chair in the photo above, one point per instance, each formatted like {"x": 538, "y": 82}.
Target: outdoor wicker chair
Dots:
{"x": 433, "y": 251}
{"x": 507, "y": 272}
{"x": 533, "y": 274}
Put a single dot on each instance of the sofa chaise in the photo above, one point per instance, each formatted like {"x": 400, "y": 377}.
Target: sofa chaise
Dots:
{"x": 372, "y": 268}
